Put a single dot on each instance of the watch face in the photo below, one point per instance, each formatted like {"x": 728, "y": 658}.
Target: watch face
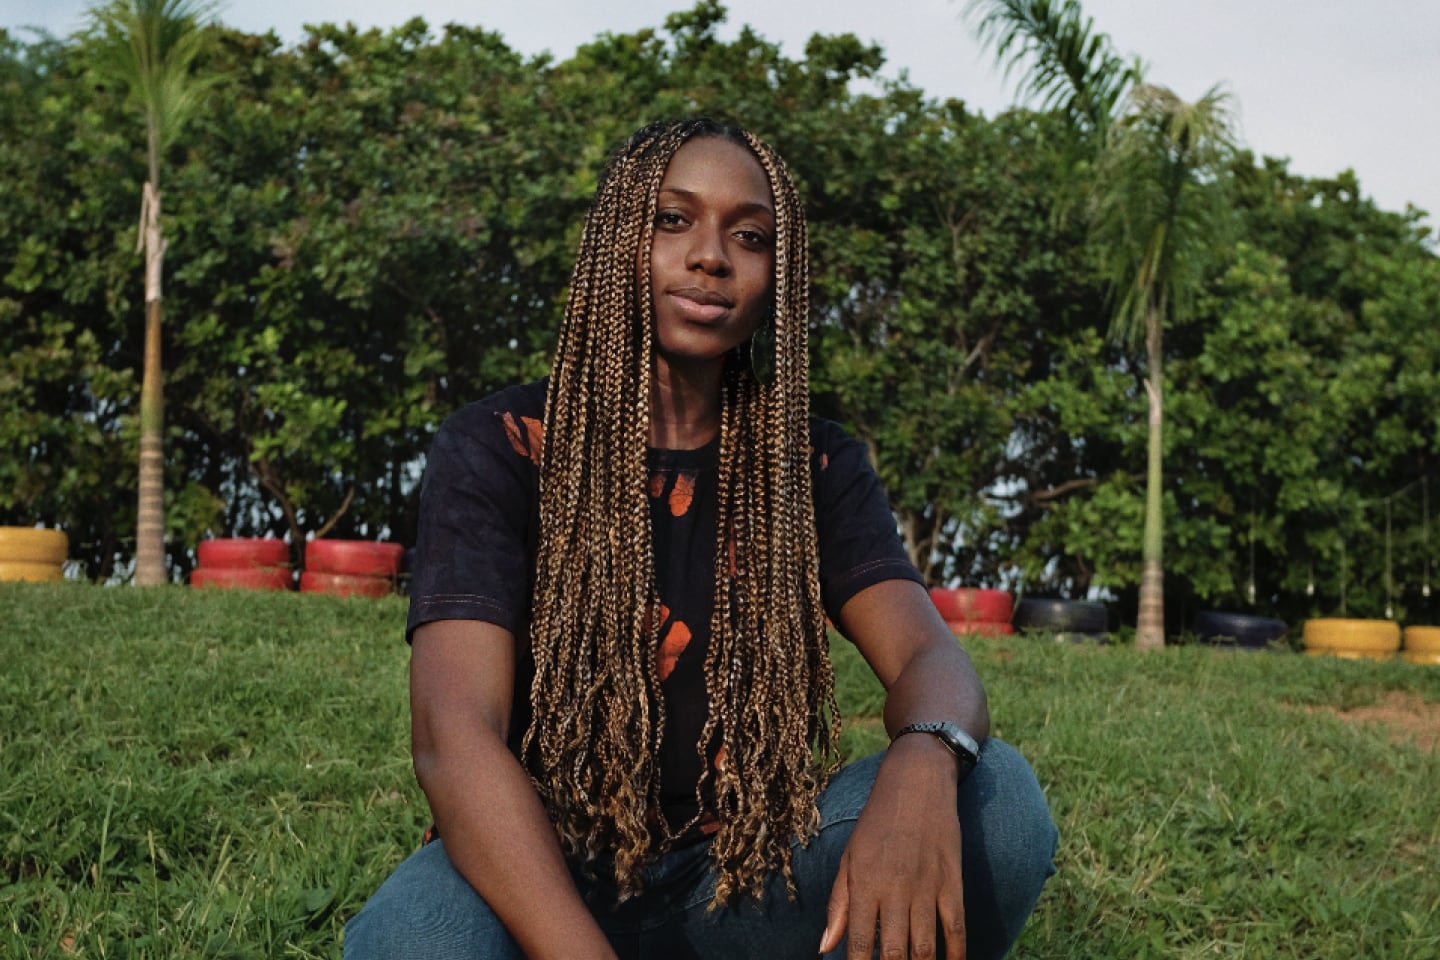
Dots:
{"x": 955, "y": 739}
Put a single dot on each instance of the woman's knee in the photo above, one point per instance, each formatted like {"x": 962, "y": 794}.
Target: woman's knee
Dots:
{"x": 1008, "y": 842}
{"x": 426, "y": 909}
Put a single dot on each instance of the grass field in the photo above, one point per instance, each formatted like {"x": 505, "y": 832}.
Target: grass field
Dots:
{"x": 188, "y": 774}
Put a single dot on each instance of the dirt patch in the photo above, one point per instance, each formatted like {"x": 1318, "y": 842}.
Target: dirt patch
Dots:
{"x": 1406, "y": 717}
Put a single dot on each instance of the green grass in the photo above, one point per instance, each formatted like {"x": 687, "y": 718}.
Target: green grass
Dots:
{"x": 203, "y": 774}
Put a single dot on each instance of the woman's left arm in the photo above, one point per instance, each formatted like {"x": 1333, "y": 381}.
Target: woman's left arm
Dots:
{"x": 901, "y": 868}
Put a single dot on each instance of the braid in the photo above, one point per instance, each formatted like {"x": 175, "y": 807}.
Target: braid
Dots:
{"x": 598, "y": 713}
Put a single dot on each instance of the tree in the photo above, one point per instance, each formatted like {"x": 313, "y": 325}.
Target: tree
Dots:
{"x": 1158, "y": 211}
{"x": 149, "y": 48}
{"x": 1154, "y": 202}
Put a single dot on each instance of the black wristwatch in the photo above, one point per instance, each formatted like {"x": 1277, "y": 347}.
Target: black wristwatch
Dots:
{"x": 960, "y": 743}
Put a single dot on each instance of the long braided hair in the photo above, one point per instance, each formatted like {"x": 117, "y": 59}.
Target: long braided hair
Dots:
{"x": 598, "y": 713}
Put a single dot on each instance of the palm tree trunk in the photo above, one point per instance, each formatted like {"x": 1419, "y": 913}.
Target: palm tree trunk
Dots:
{"x": 1150, "y": 621}
{"x": 150, "y": 515}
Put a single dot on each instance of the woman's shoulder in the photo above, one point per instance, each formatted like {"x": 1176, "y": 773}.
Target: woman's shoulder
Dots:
{"x": 519, "y": 403}
{"x": 829, "y": 440}
{"x": 519, "y": 400}
{"x": 511, "y": 418}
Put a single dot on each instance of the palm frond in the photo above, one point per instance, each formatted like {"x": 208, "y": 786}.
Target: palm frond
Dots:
{"x": 1067, "y": 65}
{"x": 150, "y": 46}
{"x": 1158, "y": 210}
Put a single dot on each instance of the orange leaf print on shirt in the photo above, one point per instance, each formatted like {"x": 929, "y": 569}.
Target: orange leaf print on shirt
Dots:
{"x": 683, "y": 494}
{"x": 529, "y": 442}
{"x": 674, "y": 644}
{"x": 657, "y": 484}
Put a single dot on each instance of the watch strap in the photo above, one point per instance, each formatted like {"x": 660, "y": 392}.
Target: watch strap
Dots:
{"x": 956, "y": 740}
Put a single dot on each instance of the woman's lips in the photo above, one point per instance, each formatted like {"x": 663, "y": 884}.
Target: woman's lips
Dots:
{"x": 699, "y": 306}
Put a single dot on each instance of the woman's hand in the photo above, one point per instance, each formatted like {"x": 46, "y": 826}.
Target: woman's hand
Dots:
{"x": 901, "y": 869}
{"x": 900, "y": 874}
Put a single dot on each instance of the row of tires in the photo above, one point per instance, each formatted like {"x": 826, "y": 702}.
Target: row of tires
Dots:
{"x": 993, "y": 612}
{"x": 974, "y": 610}
{"x": 347, "y": 568}
{"x": 1372, "y": 639}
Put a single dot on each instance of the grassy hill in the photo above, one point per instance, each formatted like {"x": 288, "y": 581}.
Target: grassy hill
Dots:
{"x": 208, "y": 774}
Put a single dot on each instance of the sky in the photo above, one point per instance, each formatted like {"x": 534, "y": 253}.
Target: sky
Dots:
{"x": 1329, "y": 84}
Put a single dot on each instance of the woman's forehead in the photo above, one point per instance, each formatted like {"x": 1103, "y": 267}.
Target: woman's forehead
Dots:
{"x": 710, "y": 167}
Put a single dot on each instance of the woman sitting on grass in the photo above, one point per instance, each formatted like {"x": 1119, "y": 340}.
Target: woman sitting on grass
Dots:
{"x": 623, "y": 708}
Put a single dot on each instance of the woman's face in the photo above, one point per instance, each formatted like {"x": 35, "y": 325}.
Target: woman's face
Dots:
{"x": 712, "y": 260}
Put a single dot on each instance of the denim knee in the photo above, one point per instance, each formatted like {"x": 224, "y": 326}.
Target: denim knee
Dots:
{"x": 1008, "y": 847}
{"x": 426, "y": 910}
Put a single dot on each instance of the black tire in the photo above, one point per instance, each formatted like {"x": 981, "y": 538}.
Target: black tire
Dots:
{"x": 1061, "y": 616}
{"x": 1240, "y": 630}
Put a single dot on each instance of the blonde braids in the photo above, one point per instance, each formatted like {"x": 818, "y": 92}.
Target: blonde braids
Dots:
{"x": 597, "y": 708}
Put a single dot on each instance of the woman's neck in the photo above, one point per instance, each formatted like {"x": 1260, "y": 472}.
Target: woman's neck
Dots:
{"x": 684, "y": 405}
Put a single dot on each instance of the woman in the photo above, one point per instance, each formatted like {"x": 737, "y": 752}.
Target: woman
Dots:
{"x": 622, "y": 703}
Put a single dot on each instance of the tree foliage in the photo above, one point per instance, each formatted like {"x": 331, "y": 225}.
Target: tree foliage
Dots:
{"x": 372, "y": 228}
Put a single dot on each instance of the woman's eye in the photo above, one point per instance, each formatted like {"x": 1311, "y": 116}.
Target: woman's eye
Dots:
{"x": 668, "y": 218}
{"x": 753, "y": 237}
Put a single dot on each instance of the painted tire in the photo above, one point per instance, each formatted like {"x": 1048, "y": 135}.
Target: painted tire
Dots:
{"x": 972, "y": 605}
{"x": 1372, "y": 636}
{"x": 30, "y": 571}
{"x": 1061, "y": 616}
{"x": 1422, "y": 640}
{"x": 362, "y": 558}
{"x": 241, "y": 553}
{"x": 1428, "y": 657}
{"x": 33, "y": 545}
{"x": 1238, "y": 630}
{"x": 1342, "y": 653}
{"x": 345, "y": 585}
{"x": 242, "y": 578}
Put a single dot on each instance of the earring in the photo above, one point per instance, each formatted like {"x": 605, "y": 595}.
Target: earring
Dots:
{"x": 762, "y": 353}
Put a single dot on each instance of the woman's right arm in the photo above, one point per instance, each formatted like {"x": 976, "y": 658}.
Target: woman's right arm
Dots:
{"x": 492, "y": 822}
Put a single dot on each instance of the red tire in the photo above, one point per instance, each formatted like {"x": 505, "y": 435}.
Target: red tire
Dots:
{"x": 345, "y": 585}
{"x": 971, "y": 605}
{"x": 240, "y": 553}
{"x": 243, "y": 578}
{"x": 981, "y": 629}
{"x": 362, "y": 558}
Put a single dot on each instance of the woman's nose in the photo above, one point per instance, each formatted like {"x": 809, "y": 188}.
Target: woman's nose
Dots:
{"x": 707, "y": 252}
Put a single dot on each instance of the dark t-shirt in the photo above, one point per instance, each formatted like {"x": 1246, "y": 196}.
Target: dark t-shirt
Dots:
{"x": 480, "y": 525}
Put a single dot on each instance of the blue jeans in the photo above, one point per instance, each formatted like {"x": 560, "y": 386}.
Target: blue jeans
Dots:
{"x": 427, "y": 911}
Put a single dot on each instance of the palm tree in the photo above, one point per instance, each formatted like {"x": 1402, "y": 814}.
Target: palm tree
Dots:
{"x": 1155, "y": 201}
{"x": 149, "y": 47}
{"x": 1156, "y": 214}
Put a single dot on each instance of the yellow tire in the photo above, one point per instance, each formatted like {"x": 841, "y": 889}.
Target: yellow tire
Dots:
{"x": 34, "y": 572}
{"x": 1429, "y": 657}
{"x": 30, "y": 545}
{"x": 1371, "y": 636}
{"x": 1343, "y": 654}
{"x": 1422, "y": 639}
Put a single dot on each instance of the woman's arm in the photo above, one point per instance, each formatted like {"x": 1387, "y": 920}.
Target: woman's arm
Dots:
{"x": 493, "y": 824}
{"x": 901, "y": 867}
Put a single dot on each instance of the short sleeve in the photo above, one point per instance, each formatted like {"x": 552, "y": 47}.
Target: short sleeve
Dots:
{"x": 474, "y": 553}
{"x": 859, "y": 543}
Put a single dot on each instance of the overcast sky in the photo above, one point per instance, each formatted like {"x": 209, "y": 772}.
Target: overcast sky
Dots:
{"x": 1330, "y": 84}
